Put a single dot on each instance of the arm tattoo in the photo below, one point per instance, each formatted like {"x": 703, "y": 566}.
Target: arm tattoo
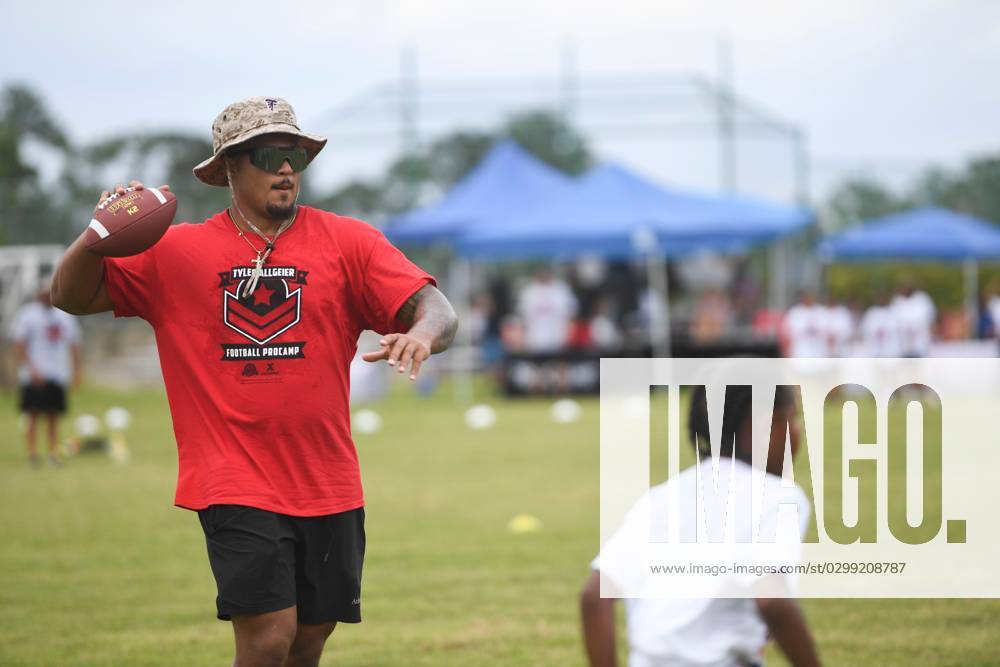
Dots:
{"x": 408, "y": 311}
{"x": 428, "y": 313}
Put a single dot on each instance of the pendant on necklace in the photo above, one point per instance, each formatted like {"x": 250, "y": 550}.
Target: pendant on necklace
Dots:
{"x": 255, "y": 274}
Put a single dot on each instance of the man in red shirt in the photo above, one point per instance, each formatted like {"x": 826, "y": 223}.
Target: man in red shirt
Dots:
{"x": 257, "y": 313}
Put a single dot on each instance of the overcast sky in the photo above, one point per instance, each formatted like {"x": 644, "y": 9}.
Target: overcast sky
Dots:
{"x": 887, "y": 85}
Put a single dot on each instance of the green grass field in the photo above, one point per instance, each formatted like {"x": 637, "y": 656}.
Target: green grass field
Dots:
{"x": 97, "y": 567}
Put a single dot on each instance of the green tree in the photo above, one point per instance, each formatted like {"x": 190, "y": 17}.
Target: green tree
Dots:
{"x": 154, "y": 158}
{"x": 357, "y": 199}
{"x": 28, "y": 214}
{"x": 975, "y": 190}
{"x": 552, "y": 140}
{"x": 932, "y": 188}
{"x": 25, "y": 115}
{"x": 416, "y": 178}
{"x": 454, "y": 155}
{"x": 422, "y": 176}
{"x": 857, "y": 200}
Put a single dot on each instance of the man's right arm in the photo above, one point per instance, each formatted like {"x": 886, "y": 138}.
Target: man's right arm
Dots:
{"x": 78, "y": 284}
{"x": 598, "y": 616}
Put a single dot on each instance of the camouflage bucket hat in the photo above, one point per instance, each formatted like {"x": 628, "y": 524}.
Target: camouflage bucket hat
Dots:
{"x": 245, "y": 120}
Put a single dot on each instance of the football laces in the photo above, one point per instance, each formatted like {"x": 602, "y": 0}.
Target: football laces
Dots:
{"x": 114, "y": 196}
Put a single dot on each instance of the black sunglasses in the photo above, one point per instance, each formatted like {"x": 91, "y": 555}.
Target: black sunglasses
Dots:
{"x": 270, "y": 158}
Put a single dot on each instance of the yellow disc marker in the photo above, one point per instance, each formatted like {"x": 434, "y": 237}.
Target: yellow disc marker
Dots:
{"x": 524, "y": 523}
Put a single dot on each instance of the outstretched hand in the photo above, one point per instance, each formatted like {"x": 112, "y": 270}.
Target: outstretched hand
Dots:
{"x": 400, "y": 349}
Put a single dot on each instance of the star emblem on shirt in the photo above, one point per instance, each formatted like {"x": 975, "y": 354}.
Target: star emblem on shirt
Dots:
{"x": 262, "y": 295}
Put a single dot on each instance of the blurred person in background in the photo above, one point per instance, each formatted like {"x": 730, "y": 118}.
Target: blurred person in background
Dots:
{"x": 983, "y": 327}
{"x": 512, "y": 333}
{"x": 484, "y": 329}
{"x": 805, "y": 328}
{"x": 915, "y": 315}
{"x": 598, "y": 330}
{"x": 547, "y": 307}
{"x": 746, "y": 294}
{"x": 580, "y": 337}
{"x": 653, "y": 314}
{"x": 993, "y": 308}
{"x": 498, "y": 294}
{"x": 712, "y": 317}
{"x": 479, "y": 316}
{"x": 588, "y": 280}
{"x": 841, "y": 326}
{"x": 879, "y": 328}
{"x": 47, "y": 348}
{"x": 604, "y": 331}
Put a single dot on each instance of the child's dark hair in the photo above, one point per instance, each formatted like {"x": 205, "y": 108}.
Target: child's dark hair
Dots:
{"x": 736, "y": 410}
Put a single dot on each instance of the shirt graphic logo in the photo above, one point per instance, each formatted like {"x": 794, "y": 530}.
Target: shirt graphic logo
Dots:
{"x": 272, "y": 309}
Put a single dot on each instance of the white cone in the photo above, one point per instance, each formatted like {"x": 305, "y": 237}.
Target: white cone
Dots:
{"x": 480, "y": 417}
{"x": 566, "y": 411}
{"x": 366, "y": 421}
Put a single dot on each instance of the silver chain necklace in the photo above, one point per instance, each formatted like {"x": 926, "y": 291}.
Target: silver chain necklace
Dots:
{"x": 262, "y": 254}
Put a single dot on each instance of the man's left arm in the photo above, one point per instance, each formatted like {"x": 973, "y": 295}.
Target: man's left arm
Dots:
{"x": 430, "y": 323}
{"x": 77, "y": 365}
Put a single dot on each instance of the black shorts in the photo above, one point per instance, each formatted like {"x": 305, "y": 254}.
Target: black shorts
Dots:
{"x": 46, "y": 397}
{"x": 264, "y": 561}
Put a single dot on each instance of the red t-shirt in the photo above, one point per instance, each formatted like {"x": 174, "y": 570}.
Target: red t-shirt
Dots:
{"x": 259, "y": 387}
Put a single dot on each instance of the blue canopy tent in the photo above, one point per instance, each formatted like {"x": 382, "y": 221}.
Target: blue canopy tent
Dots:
{"x": 923, "y": 234}
{"x": 506, "y": 181}
{"x": 615, "y": 213}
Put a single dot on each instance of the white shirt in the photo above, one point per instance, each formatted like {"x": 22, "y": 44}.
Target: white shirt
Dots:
{"x": 808, "y": 331}
{"x": 840, "y": 327}
{"x": 48, "y": 335}
{"x": 880, "y": 332}
{"x": 604, "y": 332}
{"x": 701, "y": 632}
{"x": 994, "y": 309}
{"x": 547, "y": 310}
{"x": 915, "y": 318}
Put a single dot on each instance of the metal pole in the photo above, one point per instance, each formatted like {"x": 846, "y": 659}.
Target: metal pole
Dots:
{"x": 970, "y": 270}
{"x": 409, "y": 99}
{"x": 724, "y": 109}
{"x": 823, "y": 279}
{"x": 463, "y": 354}
{"x": 656, "y": 279}
{"x": 570, "y": 84}
{"x": 801, "y": 157}
{"x": 778, "y": 274}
